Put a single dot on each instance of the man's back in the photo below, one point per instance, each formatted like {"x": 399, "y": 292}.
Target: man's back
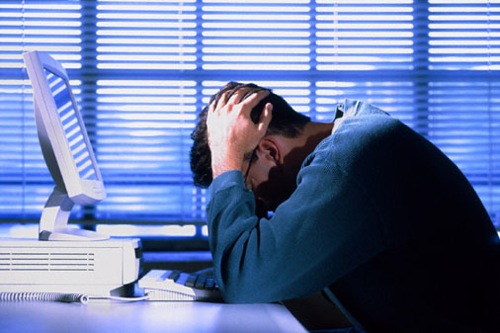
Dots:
{"x": 440, "y": 268}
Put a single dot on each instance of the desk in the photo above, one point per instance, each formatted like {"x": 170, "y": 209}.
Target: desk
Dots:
{"x": 145, "y": 317}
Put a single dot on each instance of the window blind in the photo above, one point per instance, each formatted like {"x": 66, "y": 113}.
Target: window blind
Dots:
{"x": 143, "y": 70}
{"x": 25, "y": 182}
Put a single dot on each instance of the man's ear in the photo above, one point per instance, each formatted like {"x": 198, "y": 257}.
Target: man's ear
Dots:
{"x": 268, "y": 150}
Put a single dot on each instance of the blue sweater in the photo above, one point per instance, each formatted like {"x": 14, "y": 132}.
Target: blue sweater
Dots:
{"x": 381, "y": 220}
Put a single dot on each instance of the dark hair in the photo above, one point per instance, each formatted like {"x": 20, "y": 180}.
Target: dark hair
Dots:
{"x": 285, "y": 121}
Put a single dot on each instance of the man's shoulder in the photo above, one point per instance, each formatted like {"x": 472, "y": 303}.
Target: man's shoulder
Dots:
{"x": 362, "y": 117}
{"x": 353, "y": 107}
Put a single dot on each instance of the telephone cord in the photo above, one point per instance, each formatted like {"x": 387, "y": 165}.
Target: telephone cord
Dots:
{"x": 61, "y": 297}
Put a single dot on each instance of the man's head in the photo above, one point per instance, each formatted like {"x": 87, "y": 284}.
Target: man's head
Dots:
{"x": 285, "y": 121}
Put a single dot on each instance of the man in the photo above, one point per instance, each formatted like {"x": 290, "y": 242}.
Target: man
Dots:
{"x": 362, "y": 208}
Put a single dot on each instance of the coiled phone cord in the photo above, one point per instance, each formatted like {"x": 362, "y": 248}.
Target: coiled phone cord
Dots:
{"x": 32, "y": 296}
{"x": 36, "y": 296}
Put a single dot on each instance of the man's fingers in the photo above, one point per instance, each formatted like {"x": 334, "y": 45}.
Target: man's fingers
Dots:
{"x": 244, "y": 97}
{"x": 252, "y": 101}
{"x": 265, "y": 117}
{"x": 219, "y": 103}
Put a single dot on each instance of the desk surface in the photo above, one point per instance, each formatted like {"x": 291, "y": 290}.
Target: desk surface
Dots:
{"x": 148, "y": 317}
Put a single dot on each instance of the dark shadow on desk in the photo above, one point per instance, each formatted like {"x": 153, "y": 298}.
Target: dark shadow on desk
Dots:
{"x": 315, "y": 312}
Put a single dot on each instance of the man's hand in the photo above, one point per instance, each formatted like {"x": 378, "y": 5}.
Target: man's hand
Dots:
{"x": 231, "y": 131}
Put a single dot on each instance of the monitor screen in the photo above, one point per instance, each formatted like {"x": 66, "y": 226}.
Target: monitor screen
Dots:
{"x": 71, "y": 126}
{"x": 66, "y": 149}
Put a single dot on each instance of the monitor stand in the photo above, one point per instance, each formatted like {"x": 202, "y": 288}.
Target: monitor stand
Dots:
{"x": 54, "y": 221}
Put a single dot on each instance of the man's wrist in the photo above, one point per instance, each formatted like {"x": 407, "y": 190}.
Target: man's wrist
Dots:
{"x": 226, "y": 164}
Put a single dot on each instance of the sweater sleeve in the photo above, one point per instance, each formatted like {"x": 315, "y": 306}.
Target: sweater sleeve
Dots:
{"x": 318, "y": 229}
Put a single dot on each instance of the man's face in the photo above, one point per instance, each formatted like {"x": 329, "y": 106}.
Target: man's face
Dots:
{"x": 270, "y": 185}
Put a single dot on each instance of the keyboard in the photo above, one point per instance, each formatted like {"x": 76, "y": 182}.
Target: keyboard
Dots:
{"x": 174, "y": 285}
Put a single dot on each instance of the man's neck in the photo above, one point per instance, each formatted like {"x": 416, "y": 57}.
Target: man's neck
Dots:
{"x": 314, "y": 133}
{"x": 296, "y": 149}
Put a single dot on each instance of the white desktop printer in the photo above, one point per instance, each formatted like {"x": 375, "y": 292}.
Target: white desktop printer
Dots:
{"x": 95, "y": 268}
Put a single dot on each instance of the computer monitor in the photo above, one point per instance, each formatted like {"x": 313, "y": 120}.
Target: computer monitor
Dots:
{"x": 66, "y": 149}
